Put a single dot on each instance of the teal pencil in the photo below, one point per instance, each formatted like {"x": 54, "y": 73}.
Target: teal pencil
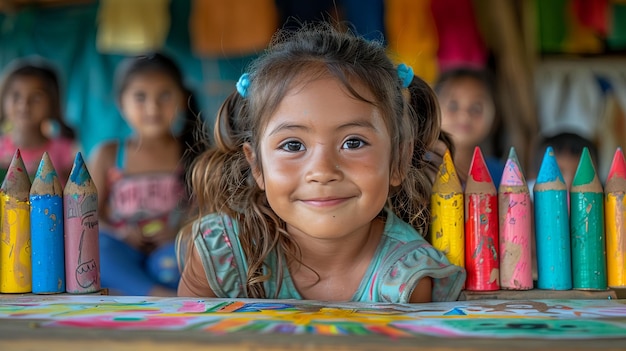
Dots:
{"x": 554, "y": 257}
{"x": 587, "y": 227}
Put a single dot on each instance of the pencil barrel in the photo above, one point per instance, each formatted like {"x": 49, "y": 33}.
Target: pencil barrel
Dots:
{"x": 614, "y": 215}
{"x": 587, "y": 241}
{"x": 447, "y": 226}
{"x": 481, "y": 242}
{"x": 15, "y": 263}
{"x": 515, "y": 241}
{"x": 82, "y": 255}
{"x": 554, "y": 262}
{"x": 48, "y": 252}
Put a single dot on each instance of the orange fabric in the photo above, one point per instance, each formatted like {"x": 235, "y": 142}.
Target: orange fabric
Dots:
{"x": 412, "y": 36}
{"x": 231, "y": 27}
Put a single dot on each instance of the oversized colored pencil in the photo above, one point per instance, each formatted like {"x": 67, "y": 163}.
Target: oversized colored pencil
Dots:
{"x": 481, "y": 228}
{"x": 15, "y": 264}
{"x": 515, "y": 227}
{"x": 554, "y": 262}
{"x": 46, "y": 218}
{"x": 614, "y": 215}
{"x": 82, "y": 255}
{"x": 587, "y": 227}
{"x": 446, "y": 207}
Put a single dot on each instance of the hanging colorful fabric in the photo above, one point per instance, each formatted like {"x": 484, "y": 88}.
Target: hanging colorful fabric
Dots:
{"x": 460, "y": 41}
{"x": 231, "y": 27}
{"x": 132, "y": 27}
{"x": 412, "y": 36}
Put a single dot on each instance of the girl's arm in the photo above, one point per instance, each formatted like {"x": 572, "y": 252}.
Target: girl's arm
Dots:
{"x": 423, "y": 291}
{"x": 101, "y": 161}
{"x": 193, "y": 281}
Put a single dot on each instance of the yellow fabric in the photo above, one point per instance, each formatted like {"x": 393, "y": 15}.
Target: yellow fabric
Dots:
{"x": 231, "y": 27}
{"x": 412, "y": 36}
{"x": 132, "y": 26}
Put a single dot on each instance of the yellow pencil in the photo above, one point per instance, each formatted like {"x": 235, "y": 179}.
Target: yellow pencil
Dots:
{"x": 614, "y": 216}
{"x": 447, "y": 212}
{"x": 15, "y": 262}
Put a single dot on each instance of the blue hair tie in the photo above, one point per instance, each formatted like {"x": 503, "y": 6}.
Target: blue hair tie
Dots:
{"x": 242, "y": 85}
{"x": 406, "y": 74}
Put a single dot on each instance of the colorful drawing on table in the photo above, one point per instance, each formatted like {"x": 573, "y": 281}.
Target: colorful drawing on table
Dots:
{"x": 574, "y": 319}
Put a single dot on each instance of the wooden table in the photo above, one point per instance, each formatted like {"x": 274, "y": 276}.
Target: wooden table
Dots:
{"x": 91, "y": 323}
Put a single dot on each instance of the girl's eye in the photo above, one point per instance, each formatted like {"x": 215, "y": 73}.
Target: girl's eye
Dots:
{"x": 15, "y": 96}
{"x": 476, "y": 109}
{"x": 140, "y": 97}
{"x": 37, "y": 98}
{"x": 353, "y": 144}
{"x": 292, "y": 146}
{"x": 453, "y": 106}
{"x": 165, "y": 97}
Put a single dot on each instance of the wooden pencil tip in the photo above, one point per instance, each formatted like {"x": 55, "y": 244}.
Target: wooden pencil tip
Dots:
{"x": 549, "y": 170}
{"x": 478, "y": 168}
{"x": 618, "y": 166}
{"x": 586, "y": 172}
{"x": 79, "y": 173}
{"x": 512, "y": 174}
{"x": 17, "y": 180}
{"x": 447, "y": 179}
{"x": 46, "y": 168}
{"x": 46, "y": 179}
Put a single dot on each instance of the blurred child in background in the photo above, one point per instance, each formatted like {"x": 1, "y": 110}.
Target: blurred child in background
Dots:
{"x": 468, "y": 114}
{"x": 567, "y": 150}
{"x": 141, "y": 179}
{"x": 32, "y": 119}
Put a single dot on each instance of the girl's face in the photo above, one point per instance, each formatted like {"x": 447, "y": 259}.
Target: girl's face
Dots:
{"x": 467, "y": 111}
{"x": 26, "y": 103}
{"x": 150, "y": 103}
{"x": 325, "y": 161}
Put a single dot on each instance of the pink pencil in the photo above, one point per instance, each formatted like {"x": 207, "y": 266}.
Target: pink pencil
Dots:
{"x": 515, "y": 228}
{"x": 82, "y": 250}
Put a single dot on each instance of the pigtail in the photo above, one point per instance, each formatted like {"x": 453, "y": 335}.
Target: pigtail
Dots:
{"x": 223, "y": 183}
{"x": 412, "y": 201}
{"x": 219, "y": 171}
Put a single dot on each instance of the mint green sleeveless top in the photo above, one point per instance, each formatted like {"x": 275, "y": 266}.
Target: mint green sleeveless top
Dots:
{"x": 402, "y": 258}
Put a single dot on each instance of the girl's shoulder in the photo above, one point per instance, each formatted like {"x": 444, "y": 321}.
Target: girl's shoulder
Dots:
{"x": 105, "y": 151}
{"x": 405, "y": 257}
{"x": 216, "y": 238}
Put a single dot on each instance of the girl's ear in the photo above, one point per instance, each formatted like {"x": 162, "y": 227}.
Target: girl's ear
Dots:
{"x": 396, "y": 178}
{"x": 252, "y": 161}
{"x": 398, "y": 173}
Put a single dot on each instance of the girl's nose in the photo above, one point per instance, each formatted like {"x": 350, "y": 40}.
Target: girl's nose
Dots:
{"x": 21, "y": 104}
{"x": 323, "y": 168}
{"x": 152, "y": 107}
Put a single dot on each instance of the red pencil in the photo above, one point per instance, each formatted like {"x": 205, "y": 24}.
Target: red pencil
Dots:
{"x": 481, "y": 228}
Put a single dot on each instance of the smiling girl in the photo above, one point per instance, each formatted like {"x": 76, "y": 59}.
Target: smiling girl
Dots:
{"x": 296, "y": 193}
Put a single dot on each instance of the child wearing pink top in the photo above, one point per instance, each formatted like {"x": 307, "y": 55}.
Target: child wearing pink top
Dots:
{"x": 31, "y": 118}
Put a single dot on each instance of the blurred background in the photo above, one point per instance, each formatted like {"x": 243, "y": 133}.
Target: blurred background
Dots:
{"x": 559, "y": 65}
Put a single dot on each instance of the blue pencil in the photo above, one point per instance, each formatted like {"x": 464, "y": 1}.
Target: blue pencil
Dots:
{"x": 46, "y": 218}
{"x": 554, "y": 259}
